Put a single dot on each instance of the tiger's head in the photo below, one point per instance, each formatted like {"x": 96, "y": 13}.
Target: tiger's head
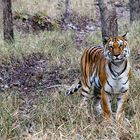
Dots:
{"x": 116, "y": 49}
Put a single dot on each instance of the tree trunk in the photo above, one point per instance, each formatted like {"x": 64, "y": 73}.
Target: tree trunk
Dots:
{"x": 7, "y": 21}
{"x": 108, "y": 17}
{"x": 67, "y": 8}
{"x": 134, "y": 10}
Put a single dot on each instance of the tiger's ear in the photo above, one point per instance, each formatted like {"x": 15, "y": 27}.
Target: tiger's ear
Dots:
{"x": 105, "y": 40}
{"x": 125, "y": 35}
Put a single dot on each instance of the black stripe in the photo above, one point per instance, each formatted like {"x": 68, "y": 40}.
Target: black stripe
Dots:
{"x": 111, "y": 70}
{"x": 100, "y": 47}
{"x": 116, "y": 64}
{"x": 98, "y": 97}
{"x": 80, "y": 84}
{"x": 88, "y": 86}
{"x": 118, "y": 74}
{"x": 108, "y": 92}
{"x": 124, "y": 91}
{"x": 125, "y": 82}
{"x": 69, "y": 93}
{"x": 97, "y": 91}
{"x": 114, "y": 78}
{"x": 94, "y": 48}
{"x": 118, "y": 98}
{"x": 124, "y": 68}
{"x": 75, "y": 89}
{"x": 86, "y": 57}
{"x": 82, "y": 95}
{"x": 89, "y": 50}
{"x": 85, "y": 91}
{"x": 93, "y": 51}
{"x": 94, "y": 82}
{"x": 99, "y": 83}
{"x": 109, "y": 84}
{"x": 97, "y": 52}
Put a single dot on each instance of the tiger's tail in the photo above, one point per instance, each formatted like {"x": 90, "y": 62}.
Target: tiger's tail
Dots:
{"x": 74, "y": 89}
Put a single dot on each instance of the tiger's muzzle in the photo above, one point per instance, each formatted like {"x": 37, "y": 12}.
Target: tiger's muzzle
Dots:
{"x": 119, "y": 57}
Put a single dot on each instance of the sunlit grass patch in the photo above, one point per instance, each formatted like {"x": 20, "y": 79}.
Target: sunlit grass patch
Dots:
{"x": 59, "y": 46}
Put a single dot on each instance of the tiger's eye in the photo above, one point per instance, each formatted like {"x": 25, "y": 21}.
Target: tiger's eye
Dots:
{"x": 110, "y": 46}
{"x": 121, "y": 45}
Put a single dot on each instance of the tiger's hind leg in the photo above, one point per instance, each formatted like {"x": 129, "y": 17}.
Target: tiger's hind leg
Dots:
{"x": 97, "y": 101}
{"x": 86, "y": 100}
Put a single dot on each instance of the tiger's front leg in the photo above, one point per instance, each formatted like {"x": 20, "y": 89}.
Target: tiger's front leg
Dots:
{"x": 106, "y": 105}
{"x": 122, "y": 100}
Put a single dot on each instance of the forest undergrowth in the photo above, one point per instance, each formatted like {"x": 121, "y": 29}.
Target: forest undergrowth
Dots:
{"x": 36, "y": 71}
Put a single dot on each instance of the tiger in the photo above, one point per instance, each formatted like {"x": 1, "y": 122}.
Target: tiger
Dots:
{"x": 107, "y": 70}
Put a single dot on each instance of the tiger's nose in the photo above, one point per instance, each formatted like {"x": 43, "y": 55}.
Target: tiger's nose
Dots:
{"x": 116, "y": 55}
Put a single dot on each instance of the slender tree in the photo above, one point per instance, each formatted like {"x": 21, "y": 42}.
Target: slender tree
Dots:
{"x": 134, "y": 10}
{"x": 8, "y": 21}
{"x": 67, "y": 10}
{"x": 108, "y": 17}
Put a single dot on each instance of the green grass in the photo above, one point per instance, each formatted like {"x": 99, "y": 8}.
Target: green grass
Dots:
{"x": 9, "y": 121}
{"x": 58, "y": 45}
{"x": 53, "y": 116}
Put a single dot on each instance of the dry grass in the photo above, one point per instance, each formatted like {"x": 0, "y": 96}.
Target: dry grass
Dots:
{"x": 53, "y": 116}
{"x": 35, "y": 6}
{"x": 0, "y": 15}
{"x": 55, "y": 8}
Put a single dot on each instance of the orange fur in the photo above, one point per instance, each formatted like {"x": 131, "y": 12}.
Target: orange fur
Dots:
{"x": 95, "y": 64}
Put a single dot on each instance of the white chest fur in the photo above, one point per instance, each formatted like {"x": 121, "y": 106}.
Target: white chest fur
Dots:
{"x": 118, "y": 83}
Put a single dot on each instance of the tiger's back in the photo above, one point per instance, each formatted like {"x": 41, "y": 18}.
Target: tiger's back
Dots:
{"x": 91, "y": 61}
{"x": 92, "y": 65}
